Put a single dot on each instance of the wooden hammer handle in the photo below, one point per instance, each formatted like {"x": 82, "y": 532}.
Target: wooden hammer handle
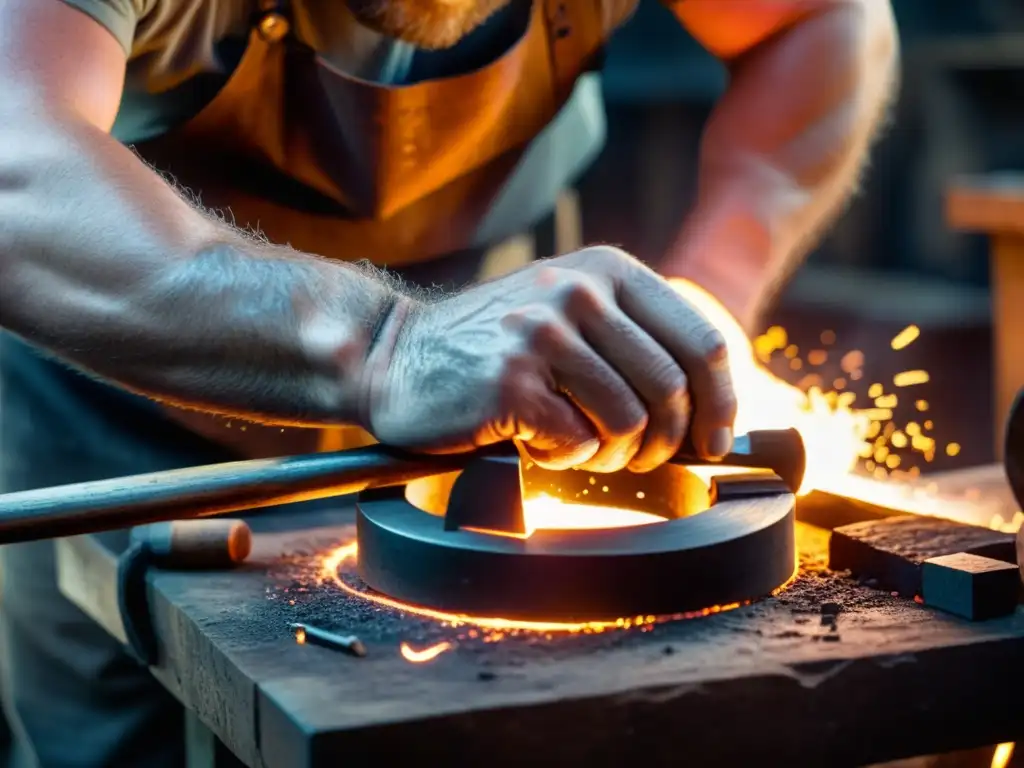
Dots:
{"x": 209, "y": 543}
{"x": 124, "y": 502}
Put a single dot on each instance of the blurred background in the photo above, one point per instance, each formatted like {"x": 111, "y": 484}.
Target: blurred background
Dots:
{"x": 893, "y": 259}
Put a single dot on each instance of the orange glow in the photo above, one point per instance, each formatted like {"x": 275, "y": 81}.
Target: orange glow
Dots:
{"x": 1001, "y": 757}
{"x": 836, "y": 434}
{"x": 300, "y": 636}
{"x": 547, "y": 513}
{"x": 329, "y": 572}
{"x": 425, "y": 655}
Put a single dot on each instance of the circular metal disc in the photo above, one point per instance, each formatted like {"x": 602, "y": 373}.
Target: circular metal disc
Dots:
{"x": 733, "y": 551}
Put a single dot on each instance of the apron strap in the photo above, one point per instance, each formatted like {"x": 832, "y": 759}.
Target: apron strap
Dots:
{"x": 577, "y": 33}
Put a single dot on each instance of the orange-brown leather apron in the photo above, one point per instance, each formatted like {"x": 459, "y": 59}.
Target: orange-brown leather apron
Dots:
{"x": 349, "y": 169}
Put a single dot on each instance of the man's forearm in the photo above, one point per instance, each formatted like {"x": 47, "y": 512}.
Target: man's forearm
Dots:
{"x": 784, "y": 149}
{"x": 104, "y": 264}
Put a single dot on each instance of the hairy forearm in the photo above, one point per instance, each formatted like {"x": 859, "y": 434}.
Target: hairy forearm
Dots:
{"x": 108, "y": 267}
{"x": 784, "y": 149}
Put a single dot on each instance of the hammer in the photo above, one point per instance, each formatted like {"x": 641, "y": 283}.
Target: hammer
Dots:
{"x": 178, "y": 545}
{"x": 221, "y": 488}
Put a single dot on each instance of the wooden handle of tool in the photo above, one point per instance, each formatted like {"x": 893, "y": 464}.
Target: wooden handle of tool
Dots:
{"x": 212, "y": 543}
{"x": 124, "y": 502}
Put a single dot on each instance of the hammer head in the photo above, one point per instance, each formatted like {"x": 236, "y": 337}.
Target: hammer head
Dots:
{"x": 780, "y": 450}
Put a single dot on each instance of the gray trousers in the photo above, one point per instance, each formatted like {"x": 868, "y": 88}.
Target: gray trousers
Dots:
{"x": 72, "y": 695}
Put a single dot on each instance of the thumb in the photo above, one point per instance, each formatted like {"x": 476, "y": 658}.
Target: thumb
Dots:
{"x": 556, "y": 435}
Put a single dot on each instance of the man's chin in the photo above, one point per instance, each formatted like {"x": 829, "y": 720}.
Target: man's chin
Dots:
{"x": 427, "y": 24}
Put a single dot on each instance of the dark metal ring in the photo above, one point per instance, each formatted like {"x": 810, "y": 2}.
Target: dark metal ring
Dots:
{"x": 734, "y": 551}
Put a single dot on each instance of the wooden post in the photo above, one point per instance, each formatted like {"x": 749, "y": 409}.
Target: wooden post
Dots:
{"x": 994, "y": 205}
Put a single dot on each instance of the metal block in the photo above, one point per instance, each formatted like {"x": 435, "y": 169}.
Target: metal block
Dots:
{"x": 972, "y": 587}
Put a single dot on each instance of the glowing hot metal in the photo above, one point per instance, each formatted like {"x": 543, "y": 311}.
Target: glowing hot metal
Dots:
{"x": 426, "y": 654}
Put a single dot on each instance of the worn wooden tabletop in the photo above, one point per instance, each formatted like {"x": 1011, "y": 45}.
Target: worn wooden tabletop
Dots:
{"x": 990, "y": 203}
{"x": 766, "y": 681}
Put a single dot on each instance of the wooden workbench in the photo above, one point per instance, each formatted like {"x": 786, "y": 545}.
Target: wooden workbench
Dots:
{"x": 994, "y": 205}
{"x": 757, "y": 685}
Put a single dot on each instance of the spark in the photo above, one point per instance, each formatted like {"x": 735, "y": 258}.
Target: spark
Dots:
{"x": 1001, "y": 757}
{"x": 839, "y": 437}
{"x": 905, "y": 337}
{"x": 426, "y": 654}
{"x": 910, "y": 378}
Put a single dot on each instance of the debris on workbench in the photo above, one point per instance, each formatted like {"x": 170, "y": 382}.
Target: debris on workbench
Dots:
{"x": 971, "y": 587}
{"x": 890, "y": 552}
{"x": 350, "y": 644}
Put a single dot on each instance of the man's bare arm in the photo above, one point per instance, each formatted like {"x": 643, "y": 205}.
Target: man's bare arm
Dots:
{"x": 104, "y": 264}
{"x": 810, "y": 84}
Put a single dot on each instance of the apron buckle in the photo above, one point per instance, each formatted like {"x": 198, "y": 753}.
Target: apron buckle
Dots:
{"x": 273, "y": 27}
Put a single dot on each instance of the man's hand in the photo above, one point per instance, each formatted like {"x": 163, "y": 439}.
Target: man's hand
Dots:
{"x": 589, "y": 360}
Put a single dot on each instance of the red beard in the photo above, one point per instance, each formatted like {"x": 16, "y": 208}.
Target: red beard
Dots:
{"x": 427, "y": 24}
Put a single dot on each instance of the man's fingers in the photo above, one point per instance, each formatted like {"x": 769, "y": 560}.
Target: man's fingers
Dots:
{"x": 562, "y": 438}
{"x": 694, "y": 343}
{"x": 658, "y": 380}
{"x": 597, "y": 390}
{"x": 700, "y": 349}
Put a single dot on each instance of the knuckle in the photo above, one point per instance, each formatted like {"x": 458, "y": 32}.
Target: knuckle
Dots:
{"x": 547, "y": 275}
{"x": 546, "y": 329}
{"x": 609, "y": 255}
{"x": 713, "y": 349}
{"x": 727, "y": 402}
{"x": 606, "y": 260}
{"x": 670, "y": 384}
{"x": 582, "y": 295}
{"x": 632, "y": 423}
{"x": 569, "y": 288}
{"x": 536, "y": 322}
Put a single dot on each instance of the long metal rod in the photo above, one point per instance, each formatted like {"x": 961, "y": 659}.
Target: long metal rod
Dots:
{"x": 104, "y": 505}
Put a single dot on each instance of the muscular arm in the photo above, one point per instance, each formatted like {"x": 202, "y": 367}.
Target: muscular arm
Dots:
{"x": 104, "y": 264}
{"x": 782, "y": 152}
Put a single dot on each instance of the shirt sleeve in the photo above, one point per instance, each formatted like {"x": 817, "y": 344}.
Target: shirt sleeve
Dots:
{"x": 118, "y": 16}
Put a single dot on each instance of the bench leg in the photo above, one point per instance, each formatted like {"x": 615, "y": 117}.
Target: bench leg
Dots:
{"x": 203, "y": 749}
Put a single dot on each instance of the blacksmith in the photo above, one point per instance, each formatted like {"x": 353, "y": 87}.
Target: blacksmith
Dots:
{"x": 197, "y": 198}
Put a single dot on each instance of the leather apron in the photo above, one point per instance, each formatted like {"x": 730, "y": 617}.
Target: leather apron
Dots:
{"x": 345, "y": 168}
